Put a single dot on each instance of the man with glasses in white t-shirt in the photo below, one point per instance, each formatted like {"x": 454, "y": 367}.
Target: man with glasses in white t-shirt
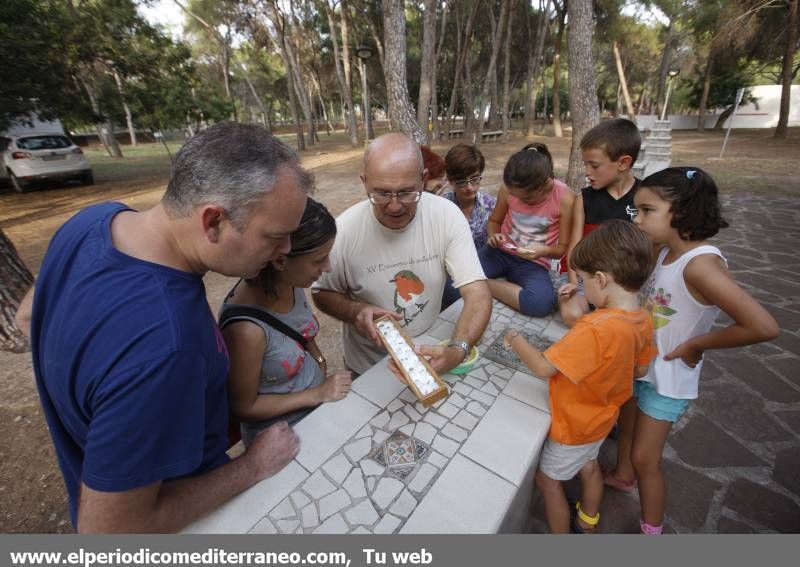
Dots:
{"x": 392, "y": 255}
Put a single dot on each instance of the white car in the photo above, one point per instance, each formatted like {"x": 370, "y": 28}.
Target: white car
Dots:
{"x": 31, "y": 157}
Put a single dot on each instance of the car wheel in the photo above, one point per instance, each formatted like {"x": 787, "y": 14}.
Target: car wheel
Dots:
{"x": 19, "y": 185}
{"x": 87, "y": 178}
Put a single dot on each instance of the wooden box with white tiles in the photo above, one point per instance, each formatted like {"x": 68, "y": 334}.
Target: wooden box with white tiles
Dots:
{"x": 421, "y": 378}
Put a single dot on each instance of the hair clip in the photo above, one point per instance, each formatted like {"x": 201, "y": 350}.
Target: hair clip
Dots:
{"x": 690, "y": 174}
{"x": 535, "y": 149}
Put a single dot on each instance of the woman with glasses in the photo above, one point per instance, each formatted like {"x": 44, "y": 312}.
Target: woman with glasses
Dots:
{"x": 464, "y": 166}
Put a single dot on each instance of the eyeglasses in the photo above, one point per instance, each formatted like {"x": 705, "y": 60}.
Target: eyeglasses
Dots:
{"x": 471, "y": 181}
{"x": 386, "y": 198}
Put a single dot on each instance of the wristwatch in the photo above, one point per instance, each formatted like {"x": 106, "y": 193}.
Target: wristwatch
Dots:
{"x": 463, "y": 345}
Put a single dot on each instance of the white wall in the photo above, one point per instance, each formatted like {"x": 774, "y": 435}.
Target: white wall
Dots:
{"x": 763, "y": 113}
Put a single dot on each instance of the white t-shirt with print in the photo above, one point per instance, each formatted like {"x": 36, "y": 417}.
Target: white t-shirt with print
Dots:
{"x": 403, "y": 270}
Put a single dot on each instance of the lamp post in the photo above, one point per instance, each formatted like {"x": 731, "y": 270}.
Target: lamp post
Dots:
{"x": 364, "y": 52}
{"x": 671, "y": 74}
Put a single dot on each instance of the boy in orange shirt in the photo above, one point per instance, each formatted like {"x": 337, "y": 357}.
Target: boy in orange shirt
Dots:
{"x": 592, "y": 368}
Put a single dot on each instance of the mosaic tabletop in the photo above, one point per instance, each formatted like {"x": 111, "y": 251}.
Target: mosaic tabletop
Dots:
{"x": 381, "y": 462}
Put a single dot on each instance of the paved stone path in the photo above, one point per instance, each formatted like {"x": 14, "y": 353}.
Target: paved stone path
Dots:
{"x": 732, "y": 463}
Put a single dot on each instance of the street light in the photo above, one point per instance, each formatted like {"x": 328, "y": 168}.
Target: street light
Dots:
{"x": 671, "y": 74}
{"x": 364, "y": 52}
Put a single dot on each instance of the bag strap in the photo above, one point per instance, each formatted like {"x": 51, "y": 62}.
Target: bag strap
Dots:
{"x": 240, "y": 311}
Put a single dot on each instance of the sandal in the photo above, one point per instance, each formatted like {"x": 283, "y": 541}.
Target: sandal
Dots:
{"x": 617, "y": 484}
{"x": 575, "y": 526}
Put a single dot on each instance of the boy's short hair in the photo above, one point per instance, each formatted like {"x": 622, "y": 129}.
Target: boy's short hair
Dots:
{"x": 616, "y": 247}
{"x": 616, "y": 137}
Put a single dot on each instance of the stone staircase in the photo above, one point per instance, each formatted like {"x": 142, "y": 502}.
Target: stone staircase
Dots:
{"x": 656, "y": 151}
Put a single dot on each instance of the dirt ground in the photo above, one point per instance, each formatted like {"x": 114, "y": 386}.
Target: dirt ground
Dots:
{"x": 32, "y": 494}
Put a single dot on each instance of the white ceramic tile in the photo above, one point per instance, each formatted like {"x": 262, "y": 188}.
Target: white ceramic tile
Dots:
{"x": 378, "y": 385}
{"x": 437, "y": 459}
{"x": 466, "y": 420}
{"x": 381, "y": 419}
{"x": 283, "y": 510}
{"x": 386, "y": 491}
{"x": 448, "y": 410}
{"x": 399, "y": 419}
{"x": 425, "y": 340}
{"x": 324, "y": 431}
{"x": 554, "y": 331}
{"x": 333, "y": 525}
{"x": 354, "y": 484}
{"x": 453, "y": 432}
{"x": 466, "y": 499}
{"x": 387, "y": 525}
{"x": 364, "y": 513}
{"x": 287, "y": 526}
{"x": 404, "y": 504}
{"x": 318, "y": 485}
{"x": 337, "y": 468}
{"x": 360, "y": 530}
{"x": 365, "y": 431}
{"x": 508, "y": 439}
{"x": 476, "y": 409}
{"x": 481, "y": 397}
{"x": 413, "y": 414}
{"x": 379, "y": 437}
{"x": 445, "y": 445}
{"x": 309, "y": 516}
{"x": 457, "y": 400}
{"x": 242, "y": 512}
{"x": 529, "y": 389}
{"x": 394, "y": 405}
{"x": 423, "y": 477}
{"x": 425, "y": 432}
{"x": 408, "y": 396}
{"x": 299, "y": 499}
{"x": 265, "y": 527}
{"x": 408, "y": 429}
{"x": 371, "y": 468}
{"x": 332, "y": 503}
{"x": 358, "y": 449}
{"x": 435, "y": 419}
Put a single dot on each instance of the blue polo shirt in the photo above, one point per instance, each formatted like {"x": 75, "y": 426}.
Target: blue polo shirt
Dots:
{"x": 129, "y": 362}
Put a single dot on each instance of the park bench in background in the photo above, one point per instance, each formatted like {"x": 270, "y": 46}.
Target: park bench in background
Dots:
{"x": 455, "y": 134}
{"x": 491, "y": 136}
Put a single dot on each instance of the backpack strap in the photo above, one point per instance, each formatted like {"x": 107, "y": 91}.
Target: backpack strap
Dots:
{"x": 239, "y": 312}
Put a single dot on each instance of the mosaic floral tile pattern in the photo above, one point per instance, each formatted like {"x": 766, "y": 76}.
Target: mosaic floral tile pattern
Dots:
{"x": 359, "y": 489}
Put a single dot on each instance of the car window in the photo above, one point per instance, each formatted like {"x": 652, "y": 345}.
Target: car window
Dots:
{"x": 43, "y": 143}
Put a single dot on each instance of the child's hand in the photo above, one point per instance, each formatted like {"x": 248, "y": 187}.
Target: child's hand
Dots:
{"x": 497, "y": 239}
{"x": 336, "y": 386}
{"x": 687, "y": 352}
{"x": 533, "y": 252}
{"x": 508, "y": 338}
{"x": 567, "y": 290}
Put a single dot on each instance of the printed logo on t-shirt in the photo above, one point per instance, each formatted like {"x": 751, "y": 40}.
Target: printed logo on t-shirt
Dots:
{"x": 657, "y": 301}
{"x": 408, "y": 299}
{"x": 631, "y": 212}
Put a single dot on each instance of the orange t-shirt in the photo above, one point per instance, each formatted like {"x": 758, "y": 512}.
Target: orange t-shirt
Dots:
{"x": 595, "y": 362}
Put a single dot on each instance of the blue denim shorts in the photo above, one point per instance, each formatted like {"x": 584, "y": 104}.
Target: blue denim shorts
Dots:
{"x": 655, "y": 405}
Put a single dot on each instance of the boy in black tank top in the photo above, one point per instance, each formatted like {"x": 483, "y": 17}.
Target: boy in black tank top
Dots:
{"x": 609, "y": 151}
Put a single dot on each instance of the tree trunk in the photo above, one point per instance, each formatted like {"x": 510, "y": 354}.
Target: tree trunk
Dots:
{"x": 257, "y": 98}
{"x": 434, "y": 78}
{"x": 670, "y": 44}
{"x": 782, "y": 130}
{"x": 534, "y": 62}
{"x": 507, "y": 74}
{"x": 723, "y": 117}
{"x": 15, "y": 280}
{"x": 279, "y": 39}
{"x": 427, "y": 63}
{"x": 491, "y": 71}
{"x": 347, "y": 95}
{"x": 105, "y": 129}
{"x": 347, "y": 64}
{"x": 125, "y": 107}
{"x": 401, "y": 113}
{"x": 582, "y": 88}
{"x": 318, "y": 89}
{"x": 623, "y": 83}
{"x": 562, "y": 14}
{"x": 461, "y": 63}
{"x": 701, "y": 111}
{"x": 302, "y": 90}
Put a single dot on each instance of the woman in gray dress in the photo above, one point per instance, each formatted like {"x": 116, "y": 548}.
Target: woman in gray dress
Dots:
{"x": 273, "y": 375}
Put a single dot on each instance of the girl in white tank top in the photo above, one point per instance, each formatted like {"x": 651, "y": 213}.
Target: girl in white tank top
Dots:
{"x": 678, "y": 210}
